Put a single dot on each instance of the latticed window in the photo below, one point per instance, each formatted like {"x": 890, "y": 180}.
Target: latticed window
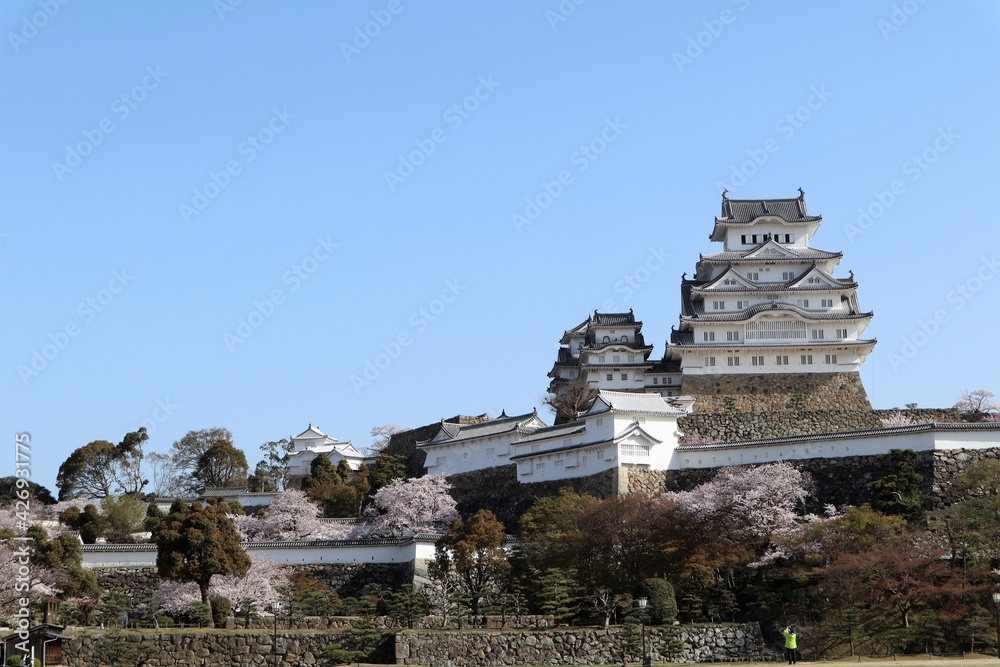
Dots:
{"x": 775, "y": 330}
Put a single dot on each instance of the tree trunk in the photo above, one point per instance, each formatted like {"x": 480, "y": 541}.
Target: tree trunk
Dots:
{"x": 203, "y": 587}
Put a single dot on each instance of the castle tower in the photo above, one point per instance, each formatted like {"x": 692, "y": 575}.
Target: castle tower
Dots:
{"x": 605, "y": 351}
{"x": 764, "y": 324}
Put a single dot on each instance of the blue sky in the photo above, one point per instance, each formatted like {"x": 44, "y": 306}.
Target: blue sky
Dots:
{"x": 174, "y": 169}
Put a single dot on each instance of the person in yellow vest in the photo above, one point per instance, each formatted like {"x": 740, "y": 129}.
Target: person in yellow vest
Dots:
{"x": 791, "y": 644}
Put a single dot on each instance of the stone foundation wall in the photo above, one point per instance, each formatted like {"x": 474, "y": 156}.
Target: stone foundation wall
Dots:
{"x": 576, "y": 647}
{"x": 206, "y": 649}
{"x": 770, "y": 392}
{"x": 947, "y": 465}
{"x": 498, "y": 490}
{"x": 737, "y": 426}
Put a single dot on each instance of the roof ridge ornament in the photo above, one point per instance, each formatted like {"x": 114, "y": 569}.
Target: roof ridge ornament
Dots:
{"x": 725, "y": 191}
{"x": 802, "y": 193}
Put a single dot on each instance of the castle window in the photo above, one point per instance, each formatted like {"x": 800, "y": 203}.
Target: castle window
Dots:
{"x": 465, "y": 456}
{"x": 728, "y": 281}
{"x": 491, "y": 451}
{"x": 743, "y": 239}
{"x": 656, "y": 380}
{"x": 732, "y": 361}
{"x": 719, "y": 305}
{"x": 583, "y": 459}
{"x": 732, "y": 335}
{"x": 616, "y": 358}
{"x": 607, "y": 339}
{"x": 600, "y": 358}
{"x": 600, "y": 421}
{"x": 624, "y": 376}
{"x": 826, "y": 303}
{"x": 754, "y": 237}
{"x": 631, "y": 357}
{"x": 787, "y": 275}
{"x": 709, "y": 361}
{"x": 831, "y": 358}
{"x": 624, "y": 339}
{"x": 803, "y": 303}
{"x": 753, "y": 275}
{"x": 670, "y": 380}
{"x": 841, "y": 333}
{"x": 708, "y": 336}
{"x": 540, "y": 466}
{"x": 813, "y": 280}
{"x": 757, "y": 361}
{"x": 781, "y": 360}
{"x": 610, "y": 376}
{"x": 558, "y": 463}
{"x": 788, "y": 238}
{"x": 818, "y": 334}
{"x": 806, "y": 360}
{"x": 740, "y": 305}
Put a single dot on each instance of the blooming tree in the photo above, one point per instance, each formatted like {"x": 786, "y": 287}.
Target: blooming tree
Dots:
{"x": 758, "y": 500}
{"x": 979, "y": 403}
{"x": 896, "y": 419}
{"x": 408, "y": 505}
{"x": 258, "y": 589}
{"x": 175, "y": 597}
{"x": 292, "y": 516}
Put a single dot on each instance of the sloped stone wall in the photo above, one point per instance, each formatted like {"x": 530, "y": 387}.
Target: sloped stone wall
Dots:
{"x": 738, "y": 426}
{"x": 576, "y": 647}
{"x": 498, "y": 490}
{"x": 771, "y": 392}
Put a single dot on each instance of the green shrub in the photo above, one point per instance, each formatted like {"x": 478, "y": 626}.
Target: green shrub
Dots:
{"x": 662, "y": 607}
{"x": 200, "y": 614}
{"x": 220, "y": 611}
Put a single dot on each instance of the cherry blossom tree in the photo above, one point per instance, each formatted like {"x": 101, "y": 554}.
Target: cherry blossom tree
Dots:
{"x": 978, "y": 403}
{"x": 257, "y": 590}
{"x": 292, "y": 516}
{"x": 896, "y": 419}
{"x": 175, "y": 597}
{"x": 406, "y": 506}
{"x": 757, "y": 500}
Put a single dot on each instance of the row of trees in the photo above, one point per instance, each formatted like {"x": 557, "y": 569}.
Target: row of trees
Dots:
{"x": 208, "y": 458}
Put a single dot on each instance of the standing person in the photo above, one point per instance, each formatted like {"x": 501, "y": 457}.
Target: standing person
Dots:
{"x": 791, "y": 643}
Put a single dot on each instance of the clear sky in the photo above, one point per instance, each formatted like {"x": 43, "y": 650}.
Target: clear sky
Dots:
{"x": 216, "y": 215}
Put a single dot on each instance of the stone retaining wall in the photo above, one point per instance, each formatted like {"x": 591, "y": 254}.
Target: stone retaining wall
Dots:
{"x": 739, "y": 426}
{"x": 498, "y": 490}
{"x": 771, "y": 392}
{"x": 576, "y": 647}
{"x": 204, "y": 649}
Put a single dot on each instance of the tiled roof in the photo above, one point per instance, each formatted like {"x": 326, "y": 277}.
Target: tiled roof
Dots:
{"x": 791, "y": 343}
{"x": 502, "y": 424}
{"x": 798, "y": 254}
{"x": 849, "y": 435}
{"x": 665, "y": 366}
{"x": 747, "y": 210}
{"x": 747, "y": 313}
{"x": 614, "y": 319}
{"x": 633, "y": 402}
{"x": 559, "y": 430}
